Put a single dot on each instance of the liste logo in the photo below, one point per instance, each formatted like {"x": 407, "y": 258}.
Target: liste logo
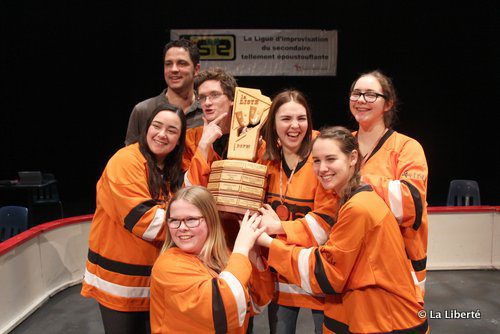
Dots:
{"x": 214, "y": 47}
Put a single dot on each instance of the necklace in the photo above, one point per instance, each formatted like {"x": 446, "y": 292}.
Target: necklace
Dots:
{"x": 282, "y": 210}
{"x": 367, "y": 155}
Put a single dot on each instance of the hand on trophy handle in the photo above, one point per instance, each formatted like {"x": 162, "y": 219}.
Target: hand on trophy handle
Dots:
{"x": 248, "y": 234}
{"x": 270, "y": 220}
{"x": 211, "y": 132}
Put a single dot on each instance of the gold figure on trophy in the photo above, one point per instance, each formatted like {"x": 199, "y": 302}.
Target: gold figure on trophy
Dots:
{"x": 238, "y": 183}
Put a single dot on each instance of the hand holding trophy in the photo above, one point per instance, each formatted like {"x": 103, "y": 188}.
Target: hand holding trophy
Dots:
{"x": 237, "y": 183}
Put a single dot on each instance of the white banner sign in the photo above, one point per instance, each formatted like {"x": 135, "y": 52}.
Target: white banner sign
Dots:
{"x": 264, "y": 52}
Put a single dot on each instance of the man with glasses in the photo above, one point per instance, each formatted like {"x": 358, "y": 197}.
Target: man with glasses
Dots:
{"x": 181, "y": 62}
{"x": 208, "y": 143}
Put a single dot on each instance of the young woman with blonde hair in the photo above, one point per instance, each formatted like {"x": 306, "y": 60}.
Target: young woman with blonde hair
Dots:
{"x": 198, "y": 285}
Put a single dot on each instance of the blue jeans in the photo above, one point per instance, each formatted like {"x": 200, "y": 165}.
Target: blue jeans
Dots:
{"x": 283, "y": 319}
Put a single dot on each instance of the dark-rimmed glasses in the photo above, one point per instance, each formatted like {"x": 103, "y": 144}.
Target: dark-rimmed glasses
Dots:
{"x": 369, "y": 97}
{"x": 212, "y": 95}
{"x": 190, "y": 222}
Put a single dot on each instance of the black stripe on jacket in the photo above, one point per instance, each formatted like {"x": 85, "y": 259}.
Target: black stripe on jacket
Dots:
{"x": 419, "y": 265}
{"x": 320, "y": 274}
{"x": 420, "y": 329}
{"x": 380, "y": 143}
{"x": 218, "y": 310}
{"x": 119, "y": 267}
{"x": 328, "y": 219}
{"x": 341, "y": 328}
{"x": 417, "y": 201}
{"x": 336, "y": 326}
{"x": 137, "y": 212}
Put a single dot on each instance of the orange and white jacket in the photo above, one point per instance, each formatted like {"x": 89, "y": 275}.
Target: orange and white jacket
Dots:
{"x": 397, "y": 170}
{"x": 197, "y": 167}
{"x": 312, "y": 211}
{"x": 362, "y": 269}
{"x": 188, "y": 297}
{"x": 126, "y": 235}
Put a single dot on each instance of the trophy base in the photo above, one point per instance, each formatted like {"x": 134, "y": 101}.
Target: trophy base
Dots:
{"x": 235, "y": 209}
{"x": 237, "y": 185}
{"x": 236, "y": 204}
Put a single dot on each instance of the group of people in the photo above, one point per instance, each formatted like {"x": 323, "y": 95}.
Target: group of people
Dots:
{"x": 342, "y": 232}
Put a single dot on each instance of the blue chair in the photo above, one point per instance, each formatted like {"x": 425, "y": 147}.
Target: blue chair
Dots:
{"x": 463, "y": 193}
{"x": 13, "y": 220}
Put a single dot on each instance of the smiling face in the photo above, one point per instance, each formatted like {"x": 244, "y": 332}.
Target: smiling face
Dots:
{"x": 333, "y": 167}
{"x": 163, "y": 134}
{"x": 178, "y": 69}
{"x": 213, "y": 101}
{"x": 368, "y": 114}
{"x": 291, "y": 125}
{"x": 190, "y": 240}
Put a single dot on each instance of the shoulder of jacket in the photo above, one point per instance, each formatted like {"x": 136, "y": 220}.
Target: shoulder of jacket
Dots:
{"x": 126, "y": 156}
{"x": 405, "y": 140}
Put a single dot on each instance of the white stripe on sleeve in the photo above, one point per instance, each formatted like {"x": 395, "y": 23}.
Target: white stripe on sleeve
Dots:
{"x": 238, "y": 293}
{"x": 258, "y": 308}
{"x": 187, "y": 183}
{"x": 294, "y": 289}
{"x": 303, "y": 264}
{"x": 420, "y": 284}
{"x": 154, "y": 228}
{"x": 116, "y": 289}
{"x": 396, "y": 200}
{"x": 316, "y": 229}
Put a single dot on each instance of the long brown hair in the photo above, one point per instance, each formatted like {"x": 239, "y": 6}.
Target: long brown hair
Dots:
{"x": 214, "y": 253}
{"x": 161, "y": 182}
{"x": 273, "y": 148}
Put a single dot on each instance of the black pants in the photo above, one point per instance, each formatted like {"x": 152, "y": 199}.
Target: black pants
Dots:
{"x": 250, "y": 326}
{"x": 116, "y": 322}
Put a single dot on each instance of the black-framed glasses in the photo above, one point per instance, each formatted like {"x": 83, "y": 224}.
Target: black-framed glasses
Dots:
{"x": 212, "y": 95}
{"x": 369, "y": 97}
{"x": 190, "y": 222}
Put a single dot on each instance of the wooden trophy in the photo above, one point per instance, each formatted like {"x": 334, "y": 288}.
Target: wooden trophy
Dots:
{"x": 237, "y": 183}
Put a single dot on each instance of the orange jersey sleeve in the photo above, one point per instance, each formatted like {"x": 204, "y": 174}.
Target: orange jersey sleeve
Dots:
{"x": 125, "y": 236}
{"x": 364, "y": 263}
{"x": 123, "y": 194}
{"x": 398, "y": 172}
{"x": 312, "y": 208}
{"x": 261, "y": 288}
{"x": 187, "y": 297}
{"x": 196, "y": 166}
{"x": 312, "y": 211}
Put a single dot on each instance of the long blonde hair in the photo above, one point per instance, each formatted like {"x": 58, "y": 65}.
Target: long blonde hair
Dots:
{"x": 215, "y": 252}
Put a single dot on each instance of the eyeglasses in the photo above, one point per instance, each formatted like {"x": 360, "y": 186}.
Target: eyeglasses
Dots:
{"x": 369, "y": 97}
{"x": 190, "y": 222}
{"x": 213, "y": 96}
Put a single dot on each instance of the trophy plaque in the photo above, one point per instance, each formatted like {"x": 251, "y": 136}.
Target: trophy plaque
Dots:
{"x": 237, "y": 183}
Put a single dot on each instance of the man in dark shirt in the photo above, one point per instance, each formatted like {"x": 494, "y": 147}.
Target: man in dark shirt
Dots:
{"x": 181, "y": 63}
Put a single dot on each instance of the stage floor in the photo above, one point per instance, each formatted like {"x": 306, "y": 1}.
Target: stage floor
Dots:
{"x": 447, "y": 291}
